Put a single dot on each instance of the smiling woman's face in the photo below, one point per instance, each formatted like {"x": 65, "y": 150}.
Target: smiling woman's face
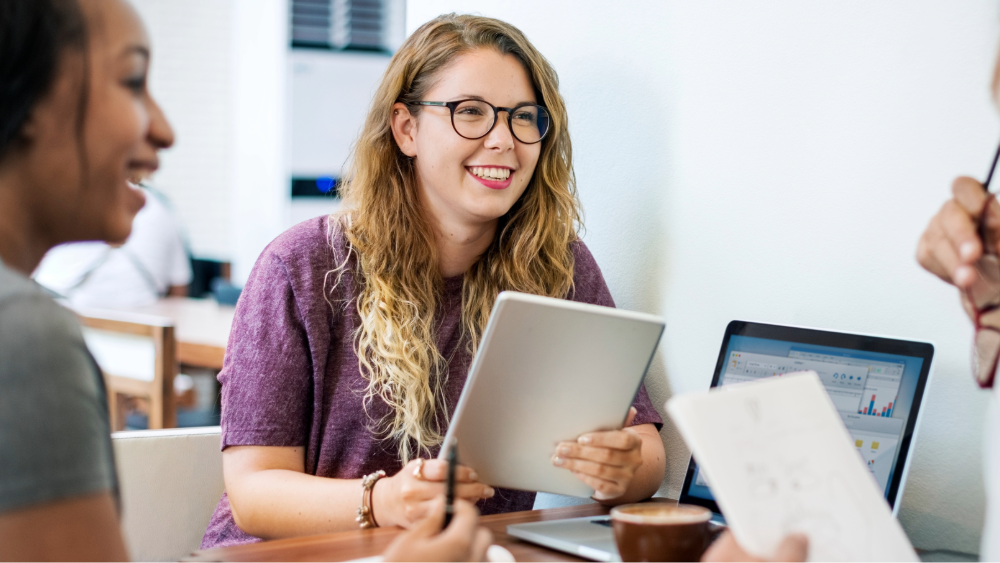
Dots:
{"x": 81, "y": 182}
{"x": 457, "y": 177}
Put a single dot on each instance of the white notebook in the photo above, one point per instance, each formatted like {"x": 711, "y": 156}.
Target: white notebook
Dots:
{"x": 779, "y": 460}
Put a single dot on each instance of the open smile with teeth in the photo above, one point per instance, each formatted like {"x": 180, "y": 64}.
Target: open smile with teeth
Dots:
{"x": 490, "y": 173}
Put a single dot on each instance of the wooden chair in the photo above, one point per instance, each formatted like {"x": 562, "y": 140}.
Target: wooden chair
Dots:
{"x": 138, "y": 357}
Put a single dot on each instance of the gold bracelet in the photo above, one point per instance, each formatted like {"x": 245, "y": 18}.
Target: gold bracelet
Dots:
{"x": 366, "y": 513}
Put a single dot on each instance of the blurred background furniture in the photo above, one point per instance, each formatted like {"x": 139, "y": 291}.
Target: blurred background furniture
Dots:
{"x": 138, "y": 356}
{"x": 202, "y": 328}
{"x": 170, "y": 482}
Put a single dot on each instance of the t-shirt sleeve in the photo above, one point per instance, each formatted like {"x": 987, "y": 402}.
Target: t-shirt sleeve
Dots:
{"x": 54, "y": 435}
{"x": 267, "y": 373}
{"x": 589, "y": 287}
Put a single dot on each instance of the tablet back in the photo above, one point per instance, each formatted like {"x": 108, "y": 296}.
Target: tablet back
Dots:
{"x": 547, "y": 371}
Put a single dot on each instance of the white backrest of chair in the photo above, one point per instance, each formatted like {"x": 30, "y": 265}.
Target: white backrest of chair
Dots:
{"x": 121, "y": 354}
{"x": 171, "y": 481}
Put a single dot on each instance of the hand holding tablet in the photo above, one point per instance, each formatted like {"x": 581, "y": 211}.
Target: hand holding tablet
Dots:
{"x": 551, "y": 374}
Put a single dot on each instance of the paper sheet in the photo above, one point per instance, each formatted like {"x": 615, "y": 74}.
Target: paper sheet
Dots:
{"x": 779, "y": 460}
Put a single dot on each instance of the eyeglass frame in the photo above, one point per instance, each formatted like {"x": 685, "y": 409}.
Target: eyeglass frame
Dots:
{"x": 496, "y": 114}
{"x": 988, "y": 308}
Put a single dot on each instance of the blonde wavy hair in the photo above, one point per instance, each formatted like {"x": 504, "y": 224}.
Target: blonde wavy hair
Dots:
{"x": 395, "y": 256}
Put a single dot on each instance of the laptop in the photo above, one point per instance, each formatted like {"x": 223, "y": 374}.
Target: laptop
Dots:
{"x": 877, "y": 384}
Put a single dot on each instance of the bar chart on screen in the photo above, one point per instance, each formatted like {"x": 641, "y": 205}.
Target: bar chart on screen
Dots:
{"x": 878, "y": 397}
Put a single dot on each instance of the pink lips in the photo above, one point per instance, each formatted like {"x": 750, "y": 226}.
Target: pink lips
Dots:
{"x": 493, "y": 184}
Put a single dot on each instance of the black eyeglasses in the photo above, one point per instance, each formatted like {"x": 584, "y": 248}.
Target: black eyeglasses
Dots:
{"x": 474, "y": 119}
{"x": 984, "y": 296}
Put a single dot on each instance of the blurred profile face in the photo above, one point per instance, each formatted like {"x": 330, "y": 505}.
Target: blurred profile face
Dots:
{"x": 80, "y": 183}
{"x": 472, "y": 181}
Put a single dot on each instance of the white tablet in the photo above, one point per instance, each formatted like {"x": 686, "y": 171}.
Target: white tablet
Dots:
{"x": 547, "y": 371}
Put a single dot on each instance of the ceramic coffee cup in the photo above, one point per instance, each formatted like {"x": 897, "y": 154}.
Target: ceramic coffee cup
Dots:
{"x": 661, "y": 531}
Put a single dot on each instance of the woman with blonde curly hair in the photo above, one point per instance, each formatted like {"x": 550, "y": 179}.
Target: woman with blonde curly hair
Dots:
{"x": 355, "y": 332}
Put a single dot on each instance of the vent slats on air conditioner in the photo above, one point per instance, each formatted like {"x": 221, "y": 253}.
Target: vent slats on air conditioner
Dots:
{"x": 340, "y": 24}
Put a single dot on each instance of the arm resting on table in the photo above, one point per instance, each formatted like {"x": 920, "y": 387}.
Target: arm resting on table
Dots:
{"x": 272, "y": 497}
{"x": 83, "y": 528}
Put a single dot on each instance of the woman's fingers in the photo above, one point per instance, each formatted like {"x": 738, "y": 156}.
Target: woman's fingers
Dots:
{"x": 960, "y": 229}
{"x": 431, "y": 522}
{"x": 464, "y": 534}
{"x": 594, "y": 469}
{"x": 603, "y": 489}
{"x": 437, "y": 470}
{"x": 794, "y": 547}
{"x": 474, "y": 491}
{"x": 940, "y": 252}
{"x": 970, "y": 194}
{"x": 625, "y": 439}
{"x": 606, "y": 456}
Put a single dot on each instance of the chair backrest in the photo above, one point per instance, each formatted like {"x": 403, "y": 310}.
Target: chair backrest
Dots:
{"x": 171, "y": 481}
{"x": 138, "y": 356}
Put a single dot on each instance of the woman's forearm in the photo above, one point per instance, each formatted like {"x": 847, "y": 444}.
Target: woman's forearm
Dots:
{"x": 281, "y": 503}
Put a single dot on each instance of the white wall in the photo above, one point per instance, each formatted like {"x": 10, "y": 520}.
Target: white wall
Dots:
{"x": 191, "y": 78}
{"x": 777, "y": 161}
{"x": 220, "y": 72}
{"x": 260, "y": 192}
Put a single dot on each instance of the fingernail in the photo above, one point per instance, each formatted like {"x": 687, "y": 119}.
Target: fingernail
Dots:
{"x": 584, "y": 439}
{"x": 601, "y": 496}
{"x": 557, "y": 460}
{"x": 490, "y": 491}
{"x": 964, "y": 275}
{"x": 967, "y": 249}
{"x": 564, "y": 450}
{"x": 474, "y": 476}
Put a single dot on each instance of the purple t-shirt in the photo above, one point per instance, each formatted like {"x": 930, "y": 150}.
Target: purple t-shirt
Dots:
{"x": 291, "y": 375}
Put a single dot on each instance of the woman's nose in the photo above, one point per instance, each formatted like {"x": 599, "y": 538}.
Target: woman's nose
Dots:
{"x": 161, "y": 134}
{"x": 500, "y": 137}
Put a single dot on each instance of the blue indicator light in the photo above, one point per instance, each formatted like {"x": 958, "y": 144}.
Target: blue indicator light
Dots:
{"x": 325, "y": 184}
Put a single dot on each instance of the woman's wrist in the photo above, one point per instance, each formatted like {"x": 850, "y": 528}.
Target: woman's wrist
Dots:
{"x": 380, "y": 503}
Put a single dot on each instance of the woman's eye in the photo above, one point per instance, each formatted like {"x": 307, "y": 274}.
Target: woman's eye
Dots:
{"x": 525, "y": 116}
{"x": 137, "y": 84}
{"x": 469, "y": 111}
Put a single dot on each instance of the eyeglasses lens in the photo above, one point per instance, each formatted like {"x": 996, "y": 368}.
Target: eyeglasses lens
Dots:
{"x": 473, "y": 120}
{"x": 984, "y": 357}
{"x": 985, "y": 297}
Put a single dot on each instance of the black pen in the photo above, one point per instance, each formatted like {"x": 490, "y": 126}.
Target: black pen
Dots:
{"x": 449, "y": 507}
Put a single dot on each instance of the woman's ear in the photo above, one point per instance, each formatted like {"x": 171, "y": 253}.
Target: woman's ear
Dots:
{"x": 404, "y": 129}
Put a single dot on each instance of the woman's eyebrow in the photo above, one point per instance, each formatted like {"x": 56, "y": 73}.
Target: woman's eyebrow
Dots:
{"x": 137, "y": 50}
{"x": 482, "y": 99}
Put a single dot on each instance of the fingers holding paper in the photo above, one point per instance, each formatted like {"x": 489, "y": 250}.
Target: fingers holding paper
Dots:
{"x": 605, "y": 461}
{"x": 794, "y": 547}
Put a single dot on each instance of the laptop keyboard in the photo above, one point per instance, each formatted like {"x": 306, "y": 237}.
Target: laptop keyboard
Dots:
{"x": 606, "y": 522}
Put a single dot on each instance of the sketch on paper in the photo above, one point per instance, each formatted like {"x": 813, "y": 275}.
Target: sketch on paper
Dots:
{"x": 779, "y": 460}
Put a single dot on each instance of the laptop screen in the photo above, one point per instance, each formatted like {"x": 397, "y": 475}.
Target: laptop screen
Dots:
{"x": 876, "y": 384}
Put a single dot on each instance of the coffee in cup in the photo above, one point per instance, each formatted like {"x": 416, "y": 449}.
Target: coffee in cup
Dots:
{"x": 654, "y": 531}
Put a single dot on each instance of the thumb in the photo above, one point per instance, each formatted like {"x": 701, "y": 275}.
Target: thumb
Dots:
{"x": 631, "y": 416}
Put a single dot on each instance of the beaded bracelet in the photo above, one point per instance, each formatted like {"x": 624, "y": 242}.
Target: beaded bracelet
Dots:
{"x": 366, "y": 513}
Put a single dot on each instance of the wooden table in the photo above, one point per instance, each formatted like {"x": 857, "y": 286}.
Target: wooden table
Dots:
{"x": 358, "y": 544}
{"x": 201, "y": 327}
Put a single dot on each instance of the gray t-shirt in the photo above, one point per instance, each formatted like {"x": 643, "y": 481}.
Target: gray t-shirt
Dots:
{"x": 55, "y": 438}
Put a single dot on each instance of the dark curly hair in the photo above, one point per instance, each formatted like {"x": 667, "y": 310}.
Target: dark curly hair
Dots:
{"x": 34, "y": 34}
